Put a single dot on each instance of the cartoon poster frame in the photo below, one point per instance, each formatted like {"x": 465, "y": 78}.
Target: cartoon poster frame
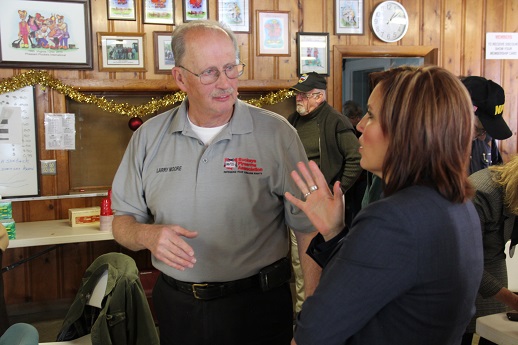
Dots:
{"x": 162, "y": 52}
{"x": 202, "y": 14}
{"x": 348, "y": 17}
{"x": 153, "y": 14}
{"x": 62, "y": 52}
{"x": 227, "y": 16}
{"x": 313, "y": 52}
{"x": 265, "y": 45}
{"x": 108, "y": 41}
{"x": 121, "y": 10}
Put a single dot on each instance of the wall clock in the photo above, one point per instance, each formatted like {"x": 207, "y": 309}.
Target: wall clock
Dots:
{"x": 389, "y": 21}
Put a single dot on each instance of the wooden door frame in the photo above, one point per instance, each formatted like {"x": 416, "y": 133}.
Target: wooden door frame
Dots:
{"x": 340, "y": 52}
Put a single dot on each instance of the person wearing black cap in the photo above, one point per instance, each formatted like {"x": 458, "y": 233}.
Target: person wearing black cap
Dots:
{"x": 329, "y": 139}
{"x": 494, "y": 200}
{"x": 488, "y": 102}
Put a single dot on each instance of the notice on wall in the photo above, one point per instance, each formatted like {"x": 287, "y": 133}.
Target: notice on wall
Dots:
{"x": 501, "y": 45}
{"x": 60, "y": 131}
{"x": 18, "y": 154}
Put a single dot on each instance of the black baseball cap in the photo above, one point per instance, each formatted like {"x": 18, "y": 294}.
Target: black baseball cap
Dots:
{"x": 488, "y": 100}
{"x": 310, "y": 81}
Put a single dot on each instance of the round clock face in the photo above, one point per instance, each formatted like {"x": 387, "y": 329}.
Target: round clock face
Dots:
{"x": 389, "y": 21}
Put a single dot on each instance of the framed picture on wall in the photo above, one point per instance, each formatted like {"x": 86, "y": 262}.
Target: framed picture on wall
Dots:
{"x": 164, "y": 59}
{"x": 348, "y": 17}
{"x": 158, "y": 12}
{"x": 121, "y": 51}
{"x": 313, "y": 52}
{"x": 195, "y": 10}
{"x": 27, "y": 41}
{"x": 121, "y": 9}
{"x": 273, "y": 33}
{"x": 235, "y": 13}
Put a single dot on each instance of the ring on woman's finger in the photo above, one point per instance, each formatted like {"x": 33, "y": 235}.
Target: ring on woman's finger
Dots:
{"x": 313, "y": 188}
{"x": 307, "y": 194}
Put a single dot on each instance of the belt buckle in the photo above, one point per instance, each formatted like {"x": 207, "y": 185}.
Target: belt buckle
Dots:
{"x": 194, "y": 286}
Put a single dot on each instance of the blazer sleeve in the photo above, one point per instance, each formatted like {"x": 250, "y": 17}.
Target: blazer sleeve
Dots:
{"x": 321, "y": 251}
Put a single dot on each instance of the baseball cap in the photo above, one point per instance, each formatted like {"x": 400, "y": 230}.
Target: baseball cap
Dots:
{"x": 310, "y": 81}
{"x": 488, "y": 99}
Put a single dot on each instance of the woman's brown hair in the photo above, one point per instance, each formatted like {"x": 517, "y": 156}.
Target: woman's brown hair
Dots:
{"x": 427, "y": 115}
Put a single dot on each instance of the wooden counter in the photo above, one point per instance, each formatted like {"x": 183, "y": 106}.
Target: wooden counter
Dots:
{"x": 51, "y": 232}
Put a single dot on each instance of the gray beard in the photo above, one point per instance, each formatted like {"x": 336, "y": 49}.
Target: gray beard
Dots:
{"x": 301, "y": 109}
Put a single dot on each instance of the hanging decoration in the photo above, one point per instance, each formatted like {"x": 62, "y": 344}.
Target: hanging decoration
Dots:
{"x": 271, "y": 98}
{"x": 134, "y": 123}
{"x": 136, "y": 112}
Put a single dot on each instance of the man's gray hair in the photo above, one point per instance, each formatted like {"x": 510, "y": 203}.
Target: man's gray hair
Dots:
{"x": 178, "y": 44}
{"x": 324, "y": 94}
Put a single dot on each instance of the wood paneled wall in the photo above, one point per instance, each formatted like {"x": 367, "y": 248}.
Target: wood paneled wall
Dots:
{"x": 454, "y": 28}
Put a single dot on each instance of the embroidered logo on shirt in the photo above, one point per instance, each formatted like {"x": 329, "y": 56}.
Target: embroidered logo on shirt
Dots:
{"x": 241, "y": 165}
{"x": 169, "y": 169}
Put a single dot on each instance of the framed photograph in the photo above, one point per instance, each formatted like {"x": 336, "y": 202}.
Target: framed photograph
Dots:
{"x": 158, "y": 12}
{"x": 273, "y": 33}
{"x": 121, "y": 51}
{"x": 348, "y": 17}
{"x": 164, "y": 59}
{"x": 33, "y": 35}
{"x": 195, "y": 10}
{"x": 313, "y": 52}
{"x": 121, "y": 9}
{"x": 236, "y": 14}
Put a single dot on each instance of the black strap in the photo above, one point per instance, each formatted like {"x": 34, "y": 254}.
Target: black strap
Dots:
{"x": 18, "y": 263}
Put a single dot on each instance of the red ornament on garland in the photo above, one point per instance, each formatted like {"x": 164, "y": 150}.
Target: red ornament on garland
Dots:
{"x": 134, "y": 123}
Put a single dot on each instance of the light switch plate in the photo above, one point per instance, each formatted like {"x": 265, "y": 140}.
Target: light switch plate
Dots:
{"x": 48, "y": 167}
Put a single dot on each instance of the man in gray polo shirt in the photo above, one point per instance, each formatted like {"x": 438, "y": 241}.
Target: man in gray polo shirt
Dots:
{"x": 202, "y": 187}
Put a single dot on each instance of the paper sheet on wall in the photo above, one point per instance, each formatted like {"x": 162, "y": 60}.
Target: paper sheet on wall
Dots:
{"x": 60, "y": 131}
{"x": 502, "y": 45}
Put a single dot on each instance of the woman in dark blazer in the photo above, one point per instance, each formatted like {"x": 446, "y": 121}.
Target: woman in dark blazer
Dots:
{"x": 409, "y": 269}
{"x": 496, "y": 201}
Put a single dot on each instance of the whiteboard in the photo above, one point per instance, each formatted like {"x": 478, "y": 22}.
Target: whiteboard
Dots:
{"x": 18, "y": 157}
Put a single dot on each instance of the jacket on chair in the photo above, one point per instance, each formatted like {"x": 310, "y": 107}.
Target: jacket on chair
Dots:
{"x": 125, "y": 317}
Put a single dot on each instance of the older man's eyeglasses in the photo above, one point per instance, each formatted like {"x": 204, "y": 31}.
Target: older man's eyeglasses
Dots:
{"x": 479, "y": 130}
{"x": 307, "y": 95}
{"x": 211, "y": 75}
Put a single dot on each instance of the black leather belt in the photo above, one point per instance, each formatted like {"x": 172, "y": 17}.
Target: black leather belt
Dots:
{"x": 208, "y": 291}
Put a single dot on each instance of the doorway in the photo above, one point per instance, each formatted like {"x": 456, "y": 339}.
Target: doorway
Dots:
{"x": 355, "y": 75}
{"x": 428, "y": 54}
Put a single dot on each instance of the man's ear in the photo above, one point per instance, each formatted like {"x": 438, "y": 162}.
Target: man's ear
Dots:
{"x": 179, "y": 78}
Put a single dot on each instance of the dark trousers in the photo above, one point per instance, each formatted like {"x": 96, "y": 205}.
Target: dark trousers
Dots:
{"x": 251, "y": 317}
